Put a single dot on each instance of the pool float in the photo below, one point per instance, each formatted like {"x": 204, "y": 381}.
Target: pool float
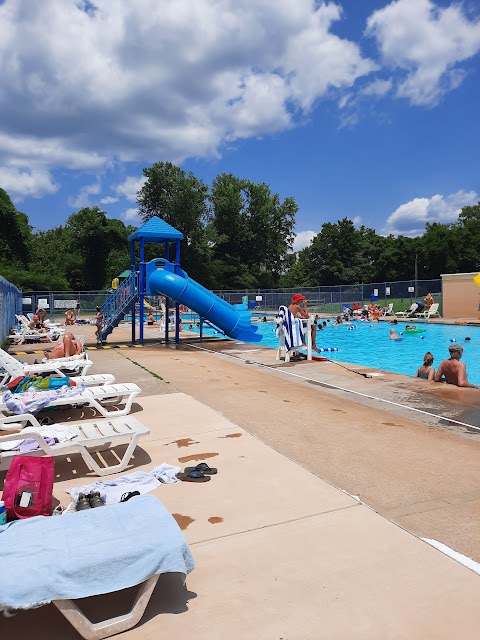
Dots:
{"x": 413, "y": 331}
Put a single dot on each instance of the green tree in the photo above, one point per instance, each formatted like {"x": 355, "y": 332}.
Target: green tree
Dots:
{"x": 90, "y": 240}
{"x": 15, "y": 234}
{"x": 181, "y": 200}
{"x": 252, "y": 232}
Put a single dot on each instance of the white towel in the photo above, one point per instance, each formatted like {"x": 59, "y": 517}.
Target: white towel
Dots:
{"x": 291, "y": 327}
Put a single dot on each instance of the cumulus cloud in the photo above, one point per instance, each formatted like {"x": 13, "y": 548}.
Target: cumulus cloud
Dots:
{"x": 357, "y": 221}
{"x": 410, "y": 218}
{"x": 129, "y": 187}
{"x": 303, "y": 239}
{"x": 132, "y": 216}
{"x": 427, "y": 44}
{"x": 86, "y": 85}
{"x": 108, "y": 200}
{"x": 82, "y": 199}
{"x": 21, "y": 182}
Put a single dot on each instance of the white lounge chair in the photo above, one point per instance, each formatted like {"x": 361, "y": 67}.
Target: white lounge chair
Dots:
{"x": 140, "y": 532}
{"x": 291, "y": 333}
{"x": 12, "y": 369}
{"x": 97, "y": 435}
{"x": 26, "y": 334}
{"x": 407, "y": 312}
{"x": 428, "y": 313}
{"x": 25, "y": 324}
{"x": 94, "y": 396}
{"x": 389, "y": 309}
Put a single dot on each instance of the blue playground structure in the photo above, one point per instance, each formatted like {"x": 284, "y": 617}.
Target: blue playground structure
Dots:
{"x": 163, "y": 277}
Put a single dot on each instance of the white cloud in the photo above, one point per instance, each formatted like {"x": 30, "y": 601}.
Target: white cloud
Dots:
{"x": 357, "y": 221}
{"x": 410, "y": 218}
{"x": 21, "y": 182}
{"x": 132, "y": 216}
{"x": 427, "y": 43}
{"x": 129, "y": 187}
{"x": 303, "y": 239}
{"x": 83, "y": 198}
{"x": 86, "y": 86}
{"x": 108, "y": 200}
{"x": 377, "y": 88}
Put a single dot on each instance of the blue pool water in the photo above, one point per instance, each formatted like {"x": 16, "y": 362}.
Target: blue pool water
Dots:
{"x": 368, "y": 344}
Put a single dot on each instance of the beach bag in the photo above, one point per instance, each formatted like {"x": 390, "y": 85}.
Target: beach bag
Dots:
{"x": 28, "y": 487}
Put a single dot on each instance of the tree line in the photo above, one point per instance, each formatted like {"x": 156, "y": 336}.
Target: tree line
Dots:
{"x": 238, "y": 235}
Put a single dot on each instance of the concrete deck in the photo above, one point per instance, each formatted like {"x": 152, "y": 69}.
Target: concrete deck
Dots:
{"x": 281, "y": 551}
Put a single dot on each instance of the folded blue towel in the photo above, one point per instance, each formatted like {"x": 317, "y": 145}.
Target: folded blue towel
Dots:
{"x": 89, "y": 552}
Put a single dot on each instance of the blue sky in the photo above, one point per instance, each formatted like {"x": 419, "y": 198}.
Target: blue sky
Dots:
{"x": 363, "y": 109}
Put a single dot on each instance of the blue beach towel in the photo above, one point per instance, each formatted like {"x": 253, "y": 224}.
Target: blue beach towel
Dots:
{"x": 89, "y": 552}
{"x": 292, "y": 328}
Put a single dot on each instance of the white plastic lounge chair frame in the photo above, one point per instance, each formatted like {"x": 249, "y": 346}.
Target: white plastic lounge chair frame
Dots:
{"x": 93, "y": 396}
{"x": 14, "y": 369}
{"x": 407, "y": 312}
{"x": 98, "y": 435}
{"x": 389, "y": 309}
{"x": 108, "y": 627}
{"x": 51, "y": 337}
{"x": 112, "y": 626}
{"x": 433, "y": 311}
{"x": 307, "y": 328}
{"x": 25, "y": 325}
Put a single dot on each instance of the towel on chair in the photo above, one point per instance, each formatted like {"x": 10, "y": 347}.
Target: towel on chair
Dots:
{"x": 89, "y": 552}
{"x": 290, "y": 327}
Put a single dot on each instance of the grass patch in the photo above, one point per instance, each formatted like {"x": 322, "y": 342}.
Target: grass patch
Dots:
{"x": 155, "y": 375}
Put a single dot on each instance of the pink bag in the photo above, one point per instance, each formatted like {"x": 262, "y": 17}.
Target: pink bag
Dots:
{"x": 28, "y": 487}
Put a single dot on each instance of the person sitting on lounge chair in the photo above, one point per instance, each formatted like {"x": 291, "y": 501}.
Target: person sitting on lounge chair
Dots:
{"x": 37, "y": 324}
{"x": 301, "y": 311}
{"x": 69, "y": 346}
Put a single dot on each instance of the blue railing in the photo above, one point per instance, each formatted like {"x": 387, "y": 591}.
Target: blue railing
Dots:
{"x": 10, "y": 304}
{"x": 119, "y": 302}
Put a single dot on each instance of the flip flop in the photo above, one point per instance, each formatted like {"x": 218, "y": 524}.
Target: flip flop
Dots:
{"x": 203, "y": 468}
{"x": 193, "y": 476}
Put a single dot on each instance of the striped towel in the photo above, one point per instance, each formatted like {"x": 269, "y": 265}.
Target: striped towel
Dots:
{"x": 290, "y": 327}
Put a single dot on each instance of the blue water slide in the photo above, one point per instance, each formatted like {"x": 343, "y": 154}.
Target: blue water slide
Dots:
{"x": 165, "y": 278}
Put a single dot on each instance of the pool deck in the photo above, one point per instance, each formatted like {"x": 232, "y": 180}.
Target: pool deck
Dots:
{"x": 312, "y": 528}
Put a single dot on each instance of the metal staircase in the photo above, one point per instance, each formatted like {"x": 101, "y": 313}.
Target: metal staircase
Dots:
{"x": 118, "y": 304}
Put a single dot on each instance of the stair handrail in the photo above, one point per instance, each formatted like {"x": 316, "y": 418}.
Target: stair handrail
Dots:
{"x": 119, "y": 301}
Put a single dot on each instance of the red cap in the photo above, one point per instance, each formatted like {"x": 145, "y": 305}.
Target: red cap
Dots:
{"x": 297, "y": 297}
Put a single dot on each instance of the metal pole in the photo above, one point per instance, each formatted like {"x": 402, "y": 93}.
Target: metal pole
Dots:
{"x": 416, "y": 275}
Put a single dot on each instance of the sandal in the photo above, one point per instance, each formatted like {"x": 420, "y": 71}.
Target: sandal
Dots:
{"x": 193, "y": 476}
{"x": 203, "y": 468}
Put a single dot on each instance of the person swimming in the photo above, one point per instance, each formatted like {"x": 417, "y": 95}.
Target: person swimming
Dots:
{"x": 394, "y": 335}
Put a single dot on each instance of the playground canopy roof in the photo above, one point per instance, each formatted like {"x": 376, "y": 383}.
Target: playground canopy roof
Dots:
{"x": 156, "y": 230}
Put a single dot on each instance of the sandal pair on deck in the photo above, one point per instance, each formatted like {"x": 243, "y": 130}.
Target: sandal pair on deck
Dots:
{"x": 200, "y": 473}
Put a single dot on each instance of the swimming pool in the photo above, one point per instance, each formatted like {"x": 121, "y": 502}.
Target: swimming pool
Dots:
{"x": 368, "y": 344}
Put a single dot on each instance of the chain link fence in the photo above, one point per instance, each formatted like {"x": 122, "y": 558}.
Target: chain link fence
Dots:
{"x": 56, "y": 303}
{"x": 330, "y": 300}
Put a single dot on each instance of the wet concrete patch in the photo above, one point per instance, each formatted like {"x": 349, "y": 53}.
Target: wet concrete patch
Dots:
{"x": 183, "y": 521}
{"x": 215, "y": 519}
{"x": 183, "y": 442}
{"x": 197, "y": 456}
{"x": 232, "y": 435}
